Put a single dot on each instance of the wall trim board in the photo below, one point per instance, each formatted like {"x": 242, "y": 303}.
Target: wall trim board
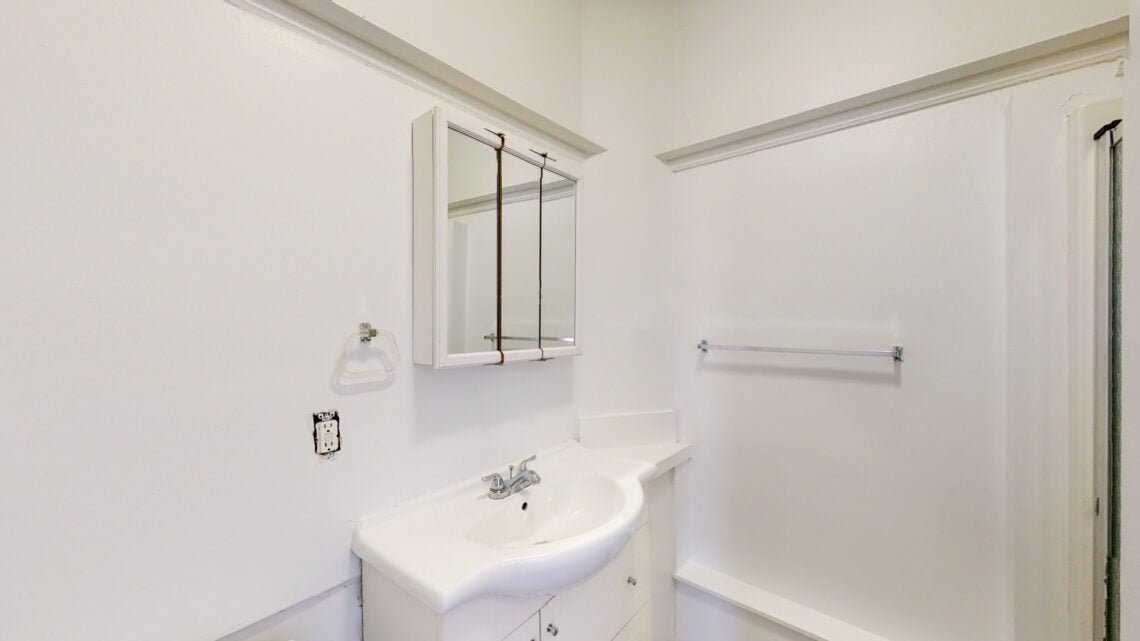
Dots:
{"x": 300, "y": 609}
{"x": 1100, "y": 43}
{"x": 329, "y": 23}
{"x": 785, "y": 612}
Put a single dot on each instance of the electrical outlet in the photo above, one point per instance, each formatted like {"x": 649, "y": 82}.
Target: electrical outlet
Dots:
{"x": 326, "y": 432}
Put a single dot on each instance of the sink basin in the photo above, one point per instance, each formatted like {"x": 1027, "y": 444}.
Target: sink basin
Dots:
{"x": 550, "y": 512}
{"x": 457, "y": 544}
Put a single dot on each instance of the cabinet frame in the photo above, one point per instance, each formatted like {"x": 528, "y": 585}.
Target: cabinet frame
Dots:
{"x": 430, "y": 241}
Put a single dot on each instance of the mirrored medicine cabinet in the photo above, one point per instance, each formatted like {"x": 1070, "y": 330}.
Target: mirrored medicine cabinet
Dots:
{"x": 495, "y": 246}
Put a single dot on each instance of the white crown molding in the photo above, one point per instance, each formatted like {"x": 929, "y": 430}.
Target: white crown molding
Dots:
{"x": 330, "y": 23}
{"x": 1101, "y": 43}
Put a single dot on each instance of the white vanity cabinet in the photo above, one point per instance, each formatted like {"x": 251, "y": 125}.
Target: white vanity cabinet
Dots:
{"x": 531, "y": 630}
{"x": 586, "y": 554}
{"x": 608, "y": 604}
{"x": 599, "y": 608}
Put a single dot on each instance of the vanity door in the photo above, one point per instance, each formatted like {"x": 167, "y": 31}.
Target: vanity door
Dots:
{"x": 599, "y": 608}
{"x": 528, "y": 631}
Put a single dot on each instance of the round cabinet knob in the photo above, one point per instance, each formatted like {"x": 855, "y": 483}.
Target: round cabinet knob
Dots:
{"x": 552, "y": 629}
{"x": 631, "y": 581}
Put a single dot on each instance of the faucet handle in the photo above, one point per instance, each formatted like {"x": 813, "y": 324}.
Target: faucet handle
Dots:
{"x": 496, "y": 480}
{"x": 522, "y": 463}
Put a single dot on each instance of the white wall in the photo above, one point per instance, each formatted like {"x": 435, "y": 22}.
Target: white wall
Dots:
{"x": 199, "y": 205}
{"x": 741, "y": 63}
{"x": 626, "y": 268}
{"x": 884, "y": 496}
{"x": 869, "y": 492}
{"x": 525, "y": 49}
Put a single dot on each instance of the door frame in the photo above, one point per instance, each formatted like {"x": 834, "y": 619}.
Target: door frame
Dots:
{"x": 1089, "y": 181}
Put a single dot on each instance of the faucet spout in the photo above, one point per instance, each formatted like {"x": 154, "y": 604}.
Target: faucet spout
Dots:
{"x": 525, "y": 479}
{"x": 502, "y": 488}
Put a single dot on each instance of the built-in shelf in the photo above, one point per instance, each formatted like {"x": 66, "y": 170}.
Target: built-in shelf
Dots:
{"x": 1100, "y": 43}
{"x": 785, "y": 612}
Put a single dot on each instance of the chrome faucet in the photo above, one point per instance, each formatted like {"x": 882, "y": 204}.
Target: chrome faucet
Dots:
{"x": 502, "y": 488}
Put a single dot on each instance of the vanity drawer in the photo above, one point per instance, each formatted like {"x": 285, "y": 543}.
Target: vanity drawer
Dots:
{"x": 599, "y": 607}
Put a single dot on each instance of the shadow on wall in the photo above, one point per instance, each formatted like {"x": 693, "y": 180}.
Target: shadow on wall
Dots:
{"x": 871, "y": 374}
{"x": 485, "y": 396}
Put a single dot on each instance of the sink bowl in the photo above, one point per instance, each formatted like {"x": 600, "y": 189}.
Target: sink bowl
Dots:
{"x": 457, "y": 544}
{"x": 550, "y": 512}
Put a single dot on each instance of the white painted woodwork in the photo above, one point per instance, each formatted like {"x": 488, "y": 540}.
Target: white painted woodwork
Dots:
{"x": 738, "y": 63}
{"x": 393, "y": 614}
{"x": 650, "y": 437}
{"x": 640, "y": 628}
{"x": 661, "y": 497}
{"x": 789, "y": 614}
{"x": 1089, "y": 171}
{"x": 457, "y": 544}
{"x": 530, "y": 630}
{"x": 598, "y": 607}
{"x": 891, "y": 502}
{"x": 255, "y": 112}
{"x": 489, "y": 618}
{"x": 402, "y": 615}
{"x": 1090, "y": 46}
{"x": 431, "y": 295}
{"x": 333, "y": 24}
{"x": 333, "y": 615}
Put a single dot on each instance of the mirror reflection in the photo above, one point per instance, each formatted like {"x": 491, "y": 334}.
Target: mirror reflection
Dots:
{"x": 559, "y": 203}
{"x": 520, "y": 254}
{"x": 537, "y": 253}
{"x": 472, "y": 172}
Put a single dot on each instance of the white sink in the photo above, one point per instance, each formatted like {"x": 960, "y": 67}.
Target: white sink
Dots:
{"x": 457, "y": 544}
{"x": 550, "y": 512}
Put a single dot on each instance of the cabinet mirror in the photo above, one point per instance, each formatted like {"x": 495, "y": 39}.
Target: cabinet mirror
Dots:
{"x": 495, "y": 247}
{"x": 471, "y": 242}
{"x": 559, "y": 243}
{"x": 520, "y": 254}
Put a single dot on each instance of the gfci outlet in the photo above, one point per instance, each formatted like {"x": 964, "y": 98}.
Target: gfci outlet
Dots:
{"x": 326, "y": 432}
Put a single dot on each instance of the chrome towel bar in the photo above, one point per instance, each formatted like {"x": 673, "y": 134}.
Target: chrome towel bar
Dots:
{"x": 895, "y": 352}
